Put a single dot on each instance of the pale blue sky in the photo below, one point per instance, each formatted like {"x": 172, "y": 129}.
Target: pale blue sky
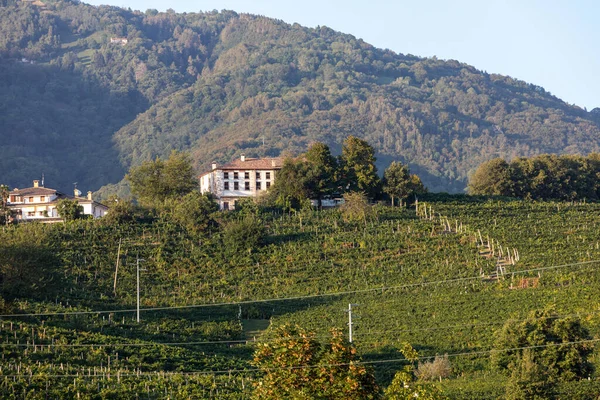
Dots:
{"x": 550, "y": 43}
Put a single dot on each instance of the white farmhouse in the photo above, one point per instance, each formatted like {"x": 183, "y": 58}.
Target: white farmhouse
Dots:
{"x": 38, "y": 203}
{"x": 246, "y": 177}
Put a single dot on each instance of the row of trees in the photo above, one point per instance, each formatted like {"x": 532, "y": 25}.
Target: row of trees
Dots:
{"x": 567, "y": 177}
{"x": 317, "y": 174}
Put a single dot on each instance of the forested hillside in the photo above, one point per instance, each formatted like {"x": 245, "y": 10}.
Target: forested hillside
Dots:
{"x": 77, "y": 107}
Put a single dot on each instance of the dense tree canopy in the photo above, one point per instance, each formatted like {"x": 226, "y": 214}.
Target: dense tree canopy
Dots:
{"x": 153, "y": 182}
{"x": 358, "y": 172}
{"x": 540, "y": 351}
{"x": 542, "y": 177}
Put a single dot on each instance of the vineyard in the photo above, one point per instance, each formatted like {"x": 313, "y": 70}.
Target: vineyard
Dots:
{"x": 429, "y": 278}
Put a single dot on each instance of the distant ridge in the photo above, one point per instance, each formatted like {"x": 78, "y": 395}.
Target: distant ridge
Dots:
{"x": 219, "y": 84}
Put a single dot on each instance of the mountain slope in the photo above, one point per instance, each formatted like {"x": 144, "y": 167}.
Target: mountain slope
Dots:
{"x": 220, "y": 84}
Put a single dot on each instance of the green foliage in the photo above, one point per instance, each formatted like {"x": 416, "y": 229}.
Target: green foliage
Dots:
{"x": 540, "y": 177}
{"x": 358, "y": 172}
{"x": 321, "y": 179}
{"x": 398, "y": 182}
{"x": 549, "y": 350}
{"x": 491, "y": 178}
{"x": 194, "y": 212}
{"x": 356, "y": 207}
{"x": 243, "y": 234}
{"x": 296, "y": 365}
{"x": 28, "y": 263}
{"x": 156, "y": 181}
{"x": 4, "y": 210}
{"x": 122, "y": 211}
{"x": 69, "y": 209}
{"x": 404, "y": 385}
{"x": 290, "y": 190}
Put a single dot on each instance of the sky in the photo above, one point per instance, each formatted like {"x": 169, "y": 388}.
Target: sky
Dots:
{"x": 551, "y": 43}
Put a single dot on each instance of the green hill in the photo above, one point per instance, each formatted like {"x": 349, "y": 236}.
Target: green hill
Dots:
{"x": 77, "y": 107}
{"x": 205, "y": 301}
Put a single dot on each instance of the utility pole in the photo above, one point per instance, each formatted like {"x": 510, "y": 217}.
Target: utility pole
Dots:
{"x": 117, "y": 268}
{"x": 350, "y": 323}
{"x": 138, "y": 285}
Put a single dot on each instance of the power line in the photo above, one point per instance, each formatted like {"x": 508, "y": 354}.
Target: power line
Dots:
{"x": 304, "y": 297}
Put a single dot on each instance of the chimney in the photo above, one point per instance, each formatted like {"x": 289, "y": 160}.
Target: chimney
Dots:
{"x": 243, "y": 157}
{"x": 89, "y": 195}
{"x": 214, "y": 165}
{"x": 272, "y": 162}
{"x": 36, "y": 183}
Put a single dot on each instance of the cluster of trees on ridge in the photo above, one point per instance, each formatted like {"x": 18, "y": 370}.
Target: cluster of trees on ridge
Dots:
{"x": 218, "y": 83}
{"x": 317, "y": 174}
{"x": 543, "y": 177}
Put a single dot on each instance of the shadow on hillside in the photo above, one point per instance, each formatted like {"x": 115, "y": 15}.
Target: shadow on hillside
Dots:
{"x": 61, "y": 121}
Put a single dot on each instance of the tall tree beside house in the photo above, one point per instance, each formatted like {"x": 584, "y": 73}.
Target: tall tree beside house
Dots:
{"x": 69, "y": 210}
{"x": 153, "y": 182}
{"x": 290, "y": 190}
{"x": 358, "y": 172}
{"x": 322, "y": 168}
{"x": 398, "y": 182}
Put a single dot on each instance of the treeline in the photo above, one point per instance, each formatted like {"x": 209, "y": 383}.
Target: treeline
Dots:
{"x": 543, "y": 177}
{"x": 317, "y": 174}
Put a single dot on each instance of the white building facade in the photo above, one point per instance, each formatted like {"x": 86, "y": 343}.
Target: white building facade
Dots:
{"x": 243, "y": 178}
{"x": 38, "y": 203}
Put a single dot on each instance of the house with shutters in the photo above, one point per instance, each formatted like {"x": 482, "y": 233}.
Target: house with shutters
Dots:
{"x": 241, "y": 178}
{"x": 38, "y": 203}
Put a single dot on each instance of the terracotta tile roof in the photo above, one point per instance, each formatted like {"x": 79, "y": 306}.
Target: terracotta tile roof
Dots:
{"x": 33, "y": 191}
{"x": 254, "y": 163}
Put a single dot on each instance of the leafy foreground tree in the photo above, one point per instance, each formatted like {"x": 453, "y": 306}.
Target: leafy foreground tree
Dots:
{"x": 296, "y": 366}
{"x": 154, "y": 182}
{"x": 69, "y": 209}
{"x": 405, "y": 386}
{"x": 398, "y": 182}
{"x": 548, "y": 350}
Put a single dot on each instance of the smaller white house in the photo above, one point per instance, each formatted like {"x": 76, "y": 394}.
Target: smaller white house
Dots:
{"x": 243, "y": 178}
{"x": 38, "y": 203}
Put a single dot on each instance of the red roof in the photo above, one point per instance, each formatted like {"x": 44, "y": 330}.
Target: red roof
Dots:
{"x": 32, "y": 191}
{"x": 254, "y": 163}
